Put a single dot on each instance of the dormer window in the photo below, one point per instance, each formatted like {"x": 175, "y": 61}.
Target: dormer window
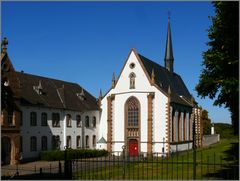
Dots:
{"x": 132, "y": 77}
{"x": 81, "y": 95}
{"x": 39, "y": 88}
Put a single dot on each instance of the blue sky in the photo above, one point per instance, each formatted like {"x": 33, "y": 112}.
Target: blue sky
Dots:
{"x": 85, "y": 42}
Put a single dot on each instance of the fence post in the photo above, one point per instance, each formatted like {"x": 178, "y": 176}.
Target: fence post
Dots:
{"x": 40, "y": 173}
{"x": 66, "y": 164}
{"x": 194, "y": 150}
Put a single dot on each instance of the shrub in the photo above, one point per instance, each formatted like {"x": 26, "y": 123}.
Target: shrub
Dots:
{"x": 72, "y": 154}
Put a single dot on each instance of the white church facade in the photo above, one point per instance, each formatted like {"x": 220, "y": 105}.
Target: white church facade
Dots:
{"x": 148, "y": 109}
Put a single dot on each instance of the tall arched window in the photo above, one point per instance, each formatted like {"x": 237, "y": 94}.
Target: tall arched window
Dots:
{"x": 94, "y": 122}
{"x": 132, "y": 112}
{"x": 132, "y": 77}
{"x": 87, "y": 121}
{"x": 33, "y": 143}
{"x": 94, "y": 141}
{"x": 44, "y": 143}
{"x": 33, "y": 119}
{"x": 69, "y": 142}
{"x": 69, "y": 120}
{"x": 44, "y": 119}
{"x": 87, "y": 141}
{"x": 78, "y": 118}
{"x": 78, "y": 141}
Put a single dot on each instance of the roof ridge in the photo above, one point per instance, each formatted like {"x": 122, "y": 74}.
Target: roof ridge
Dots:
{"x": 165, "y": 78}
{"x": 147, "y": 59}
{"x": 52, "y": 79}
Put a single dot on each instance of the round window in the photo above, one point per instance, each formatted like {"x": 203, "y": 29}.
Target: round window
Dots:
{"x": 132, "y": 65}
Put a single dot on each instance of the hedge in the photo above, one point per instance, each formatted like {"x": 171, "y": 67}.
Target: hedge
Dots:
{"x": 71, "y": 154}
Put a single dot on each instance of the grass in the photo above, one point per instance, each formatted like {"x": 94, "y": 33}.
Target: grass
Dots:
{"x": 213, "y": 162}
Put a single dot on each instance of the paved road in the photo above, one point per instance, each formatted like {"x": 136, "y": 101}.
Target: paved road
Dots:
{"x": 31, "y": 167}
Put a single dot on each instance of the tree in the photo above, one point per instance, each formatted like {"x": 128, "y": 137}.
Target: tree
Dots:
{"x": 206, "y": 123}
{"x": 219, "y": 77}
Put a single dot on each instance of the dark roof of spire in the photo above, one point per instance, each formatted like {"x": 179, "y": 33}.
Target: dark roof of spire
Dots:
{"x": 164, "y": 79}
{"x": 169, "y": 50}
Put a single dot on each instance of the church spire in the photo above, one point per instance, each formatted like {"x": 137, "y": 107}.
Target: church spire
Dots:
{"x": 113, "y": 81}
{"x": 169, "y": 51}
{"x": 100, "y": 98}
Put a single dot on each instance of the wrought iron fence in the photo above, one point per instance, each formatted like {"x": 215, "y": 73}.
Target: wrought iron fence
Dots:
{"x": 117, "y": 166}
{"x": 179, "y": 166}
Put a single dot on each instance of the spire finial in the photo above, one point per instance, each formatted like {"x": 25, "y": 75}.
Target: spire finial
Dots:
{"x": 169, "y": 51}
{"x": 169, "y": 15}
{"x": 4, "y": 45}
{"x": 113, "y": 80}
{"x": 100, "y": 94}
{"x": 100, "y": 98}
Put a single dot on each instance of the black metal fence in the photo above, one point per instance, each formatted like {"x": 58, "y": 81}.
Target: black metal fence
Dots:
{"x": 179, "y": 166}
{"x": 116, "y": 166}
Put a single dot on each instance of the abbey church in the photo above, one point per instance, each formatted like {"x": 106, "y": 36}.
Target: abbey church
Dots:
{"x": 147, "y": 110}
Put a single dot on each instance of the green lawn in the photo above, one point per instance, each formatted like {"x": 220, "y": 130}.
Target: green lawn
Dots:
{"x": 210, "y": 162}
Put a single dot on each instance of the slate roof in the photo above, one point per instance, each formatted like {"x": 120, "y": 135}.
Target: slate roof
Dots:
{"x": 55, "y": 94}
{"x": 164, "y": 79}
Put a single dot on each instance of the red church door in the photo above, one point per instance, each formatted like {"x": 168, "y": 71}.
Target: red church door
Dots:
{"x": 133, "y": 147}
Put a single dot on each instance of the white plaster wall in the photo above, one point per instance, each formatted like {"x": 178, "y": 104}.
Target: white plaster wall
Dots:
{"x": 27, "y": 131}
{"x": 159, "y": 121}
{"x": 141, "y": 82}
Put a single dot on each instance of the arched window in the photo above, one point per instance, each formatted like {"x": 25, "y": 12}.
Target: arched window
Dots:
{"x": 44, "y": 119}
{"x": 69, "y": 120}
{"x": 87, "y": 121}
{"x": 87, "y": 141}
{"x": 78, "y": 118}
{"x": 94, "y": 141}
{"x": 44, "y": 143}
{"x": 94, "y": 122}
{"x": 33, "y": 143}
{"x": 78, "y": 141}
{"x": 56, "y": 142}
{"x": 33, "y": 119}
{"x": 132, "y": 77}
{"x": 55, "y": 120}
{"x": 132, "y": 112}
{"x": 69, "y": 142}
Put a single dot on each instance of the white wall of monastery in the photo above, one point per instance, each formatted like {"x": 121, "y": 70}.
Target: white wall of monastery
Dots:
{"x": 63, "y": 131}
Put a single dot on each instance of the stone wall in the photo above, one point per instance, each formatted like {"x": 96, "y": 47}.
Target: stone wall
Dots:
{"x": 210, "y": 139}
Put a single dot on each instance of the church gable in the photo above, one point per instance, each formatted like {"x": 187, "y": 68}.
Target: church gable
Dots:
{"x": 133, "y": 76}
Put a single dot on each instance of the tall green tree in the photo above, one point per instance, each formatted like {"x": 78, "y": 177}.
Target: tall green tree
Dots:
{"x": 206, "y": 123}
{"x": 219, "y": 79}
